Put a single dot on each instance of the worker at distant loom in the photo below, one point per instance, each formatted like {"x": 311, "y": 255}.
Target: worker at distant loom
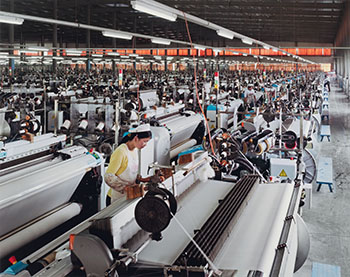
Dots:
{"x": 249, "y": 96}
{"x": 123, "y": 167}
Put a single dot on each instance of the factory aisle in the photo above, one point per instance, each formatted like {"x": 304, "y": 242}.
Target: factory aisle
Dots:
{"x": 329, "y": 219}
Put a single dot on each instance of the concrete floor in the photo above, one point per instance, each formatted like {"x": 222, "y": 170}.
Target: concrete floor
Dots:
{"x": 329, "y": 219}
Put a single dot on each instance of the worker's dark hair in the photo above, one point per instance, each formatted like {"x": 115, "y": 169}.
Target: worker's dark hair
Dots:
{"x": 140, "y": 135}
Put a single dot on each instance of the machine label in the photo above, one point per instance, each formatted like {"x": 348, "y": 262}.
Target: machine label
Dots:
{"x": 283, "y": 173}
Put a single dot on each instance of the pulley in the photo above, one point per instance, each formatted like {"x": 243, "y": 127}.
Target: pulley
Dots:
{"x": 154, "y": 211}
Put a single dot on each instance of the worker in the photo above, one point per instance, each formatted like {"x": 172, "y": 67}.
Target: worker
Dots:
{"x": 249, "y": 96}
{"x": 207, "y": 86}
{"x": 327, "y": 83}
{"x": 124, "y": 163}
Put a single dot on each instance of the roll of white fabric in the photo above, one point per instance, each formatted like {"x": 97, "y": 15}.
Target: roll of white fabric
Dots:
{"x": 14, "y": 242}
{"x": 187, "y": 144}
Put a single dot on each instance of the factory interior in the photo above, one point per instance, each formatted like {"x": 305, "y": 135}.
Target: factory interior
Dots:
{"x": 174, "y": 138}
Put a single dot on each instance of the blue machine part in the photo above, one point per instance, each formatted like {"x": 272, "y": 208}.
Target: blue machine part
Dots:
{"x": 191, "y": 150}
{"x": 213, "y": 108}
{"x": 15, "y": 268}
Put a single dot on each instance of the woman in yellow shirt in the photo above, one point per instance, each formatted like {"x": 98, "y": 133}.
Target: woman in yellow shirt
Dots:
{"x": 124, "y": 163}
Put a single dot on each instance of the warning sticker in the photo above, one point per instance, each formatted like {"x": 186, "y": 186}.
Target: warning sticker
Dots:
{"x": 283, "y": 173}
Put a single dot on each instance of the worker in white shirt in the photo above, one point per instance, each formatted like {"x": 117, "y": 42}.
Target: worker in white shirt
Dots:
{"x": 249, "y": 96}
{"x": 207, "y": 86}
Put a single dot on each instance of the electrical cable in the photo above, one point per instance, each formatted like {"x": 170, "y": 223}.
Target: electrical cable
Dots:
{"x": 137, "y": 78}
{"x": 195, "y": 82}
{"x": 212, "y": 265}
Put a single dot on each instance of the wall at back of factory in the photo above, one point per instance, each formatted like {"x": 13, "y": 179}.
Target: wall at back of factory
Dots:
{"x": 342, "y": 56}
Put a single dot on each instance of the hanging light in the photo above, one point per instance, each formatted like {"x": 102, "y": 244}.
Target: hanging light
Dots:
{"x": 38, "y": 48}
{"x": 161, "y": 41}
{"x": 113, "y": 54}
{"x": 73, "y": 52}
{"x": 199, "y": 47}
{"x": 225, "y": 33}
{"x": 146, "y": 8}
{"x": 11, "y": 20}
{"x": 28, "y": 51}
{"x": 117, "y": 34}
{"x": 247, "y": 41}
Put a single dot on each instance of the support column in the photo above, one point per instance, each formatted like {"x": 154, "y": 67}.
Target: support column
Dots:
{"x": 11, "y": 39}
{"x": 114, "y": 41}
{"x": 134, "y": 39}
{"x": 166, "y": 61}
{"x": 54, "y": 38}
{"x": 61, "y": 43}
{"x": 346, "y": 58}
{"x": 88, "y": 39}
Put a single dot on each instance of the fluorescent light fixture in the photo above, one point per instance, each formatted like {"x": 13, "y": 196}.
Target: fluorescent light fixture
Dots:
{"x": 245, "y": 55}
{"x": 4, "y": 54}
{"x": 158, "y": 57}
{"x": 199, "y": 47}
{"x": 139, "y": 58}
{"x": 255, "y": 56}
{"x": 161, "y": 41}
{"x": 225, "y": 33}
{"x": 124, "y": 57}
{"x": 146, "y": 8}
{"x": 79, "y": 59}
{"x": 11, "y": 20}
{"x": 37, "y": 48}
{"x": 117, "y": 34}
{"x": 247, "y": 41}
{"x": 266, "y": 47}
{"x": 113, "y": 54}
{"x": 28, "y": 51}
{"x": 97, "y": 55}
{"x": 133, "y": 55}
{"x": 73, "y": 51}
{"x": 73, "y": 54}
{"x": 169, "y": 58}
{"x": 57, "y": 58}
{"x": 274, "y": 49}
